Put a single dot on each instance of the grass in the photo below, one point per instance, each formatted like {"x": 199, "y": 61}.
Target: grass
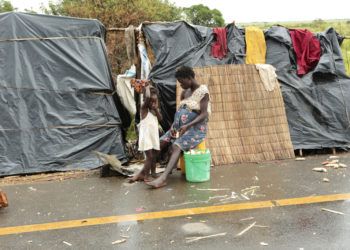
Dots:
{"x": 131, "y": 133}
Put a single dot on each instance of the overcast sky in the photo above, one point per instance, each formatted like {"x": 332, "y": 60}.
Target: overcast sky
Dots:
{"x": 253, "y": 10}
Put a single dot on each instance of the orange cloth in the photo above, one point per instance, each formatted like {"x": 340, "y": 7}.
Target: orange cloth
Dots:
{"x": 138, "y": 84}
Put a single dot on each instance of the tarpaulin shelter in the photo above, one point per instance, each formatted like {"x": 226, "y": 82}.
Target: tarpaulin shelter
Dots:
{"x": 317, "y": 104}
{"x": 56, "y": 102}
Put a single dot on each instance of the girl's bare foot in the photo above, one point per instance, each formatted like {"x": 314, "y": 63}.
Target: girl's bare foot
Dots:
{"x": 155, "y": 175}
{"x": 140, "y": 176}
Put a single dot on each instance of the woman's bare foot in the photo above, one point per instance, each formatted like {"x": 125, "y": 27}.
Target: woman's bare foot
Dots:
{"x": 157, "y": 183}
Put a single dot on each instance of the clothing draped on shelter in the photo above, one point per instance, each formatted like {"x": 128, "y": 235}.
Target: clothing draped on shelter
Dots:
{"x": 307, "y": 50}
{"x": 219, "y": 47}
{"x": 256, "y": 46}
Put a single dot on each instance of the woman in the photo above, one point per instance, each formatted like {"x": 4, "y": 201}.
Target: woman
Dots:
{"x": 190, "y": 122}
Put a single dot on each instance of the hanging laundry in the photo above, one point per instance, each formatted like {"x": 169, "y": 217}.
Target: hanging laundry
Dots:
{"x": 125, "y": 91}
{"x": 219, "y": 47}
{"x": 307, "y": 49}
{"x": 256, "y": 46}
{"x": 268, "y": 76}
{"x": 145, "y": 63}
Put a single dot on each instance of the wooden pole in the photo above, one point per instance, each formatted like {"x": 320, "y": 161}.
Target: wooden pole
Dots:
{"x": 334, "y": 151}
{"x": 300, "y": 152}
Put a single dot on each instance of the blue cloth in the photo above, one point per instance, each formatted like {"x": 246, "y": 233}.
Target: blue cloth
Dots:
{"x": 193, "y": 136}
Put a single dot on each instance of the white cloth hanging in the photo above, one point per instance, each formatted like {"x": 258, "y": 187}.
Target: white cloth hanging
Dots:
{"x": 268, "y": 76}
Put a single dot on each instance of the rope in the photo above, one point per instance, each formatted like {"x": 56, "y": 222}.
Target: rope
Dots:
{"x": 47, "y": 38}
{"x": 66, "y": 127}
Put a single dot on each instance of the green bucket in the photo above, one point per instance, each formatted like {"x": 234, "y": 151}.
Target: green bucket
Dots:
{"x": 197, "y": 164}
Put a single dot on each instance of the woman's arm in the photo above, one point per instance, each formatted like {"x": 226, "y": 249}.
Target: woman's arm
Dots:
{"x": 201, "y": 117}
{"x": 182, "y": 96}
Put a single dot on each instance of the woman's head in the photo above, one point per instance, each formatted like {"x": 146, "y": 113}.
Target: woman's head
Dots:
{"x": 185, "y": 75}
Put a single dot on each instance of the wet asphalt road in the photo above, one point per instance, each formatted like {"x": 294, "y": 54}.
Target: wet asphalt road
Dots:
{"x": 303, "y": 226}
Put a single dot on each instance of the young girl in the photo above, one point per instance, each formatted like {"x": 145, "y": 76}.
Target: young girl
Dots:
{"x": 149, "y": 134}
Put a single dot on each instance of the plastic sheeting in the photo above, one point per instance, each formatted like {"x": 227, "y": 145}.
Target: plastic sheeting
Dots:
{"x": 179, "y": 43}
{"x": 56, "y": 105}
{"x": 316, "y": 104}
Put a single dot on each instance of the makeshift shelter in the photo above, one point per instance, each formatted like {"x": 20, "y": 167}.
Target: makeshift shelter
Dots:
{"x": 248, "y": 123}
{"x": 56, "y": 102}
{"x": 316, "y": 104}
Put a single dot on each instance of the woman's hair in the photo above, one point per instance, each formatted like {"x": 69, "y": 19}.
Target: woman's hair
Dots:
{"x": 184, "y": 72}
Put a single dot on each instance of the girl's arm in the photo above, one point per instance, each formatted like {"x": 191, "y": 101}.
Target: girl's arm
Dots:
{"x": 201, "y": 117}
{"x": 158, "y": 114}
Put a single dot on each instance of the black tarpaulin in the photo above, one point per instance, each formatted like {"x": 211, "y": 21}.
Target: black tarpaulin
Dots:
{"x": 316, "y": 104}
{"x": 56, "y": 105}
{"x": 179, "y": 43}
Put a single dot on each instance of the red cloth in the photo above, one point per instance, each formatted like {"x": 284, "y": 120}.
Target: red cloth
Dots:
{"x": 307, "y": 49}
{"x": 219, "y": 48}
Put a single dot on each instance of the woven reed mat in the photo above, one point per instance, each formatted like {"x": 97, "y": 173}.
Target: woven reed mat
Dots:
{"x": 248, "y": 123}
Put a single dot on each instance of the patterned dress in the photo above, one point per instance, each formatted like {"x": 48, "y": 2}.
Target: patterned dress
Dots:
{"x": 188, "y": 110}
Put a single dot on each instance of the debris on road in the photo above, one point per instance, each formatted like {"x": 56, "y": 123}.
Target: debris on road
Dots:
{"x": 213, "y": 189}
{"x": 3, "y": 200}
{"x": 250, "y": 191}
{"x": 67, "y": 243}
{"x": 246, "y": 229}
{"x": 332, "y": 165}
{"x": 118, "y": 241}
{"x": 261, "y": 226}
{"x": 193, "y": 239}
{"x": 249, "y": 218}
{"x": 332, "y": 211}
{"x": 320, "y": 170}
{"x": 140, "y": 209}
{"x": 334, "y": 161}
{"x": 333, "y": 157}
{"x": 32, "y": 189}
{"x": 245, "y": 197}
{"x": 233, "y": 196}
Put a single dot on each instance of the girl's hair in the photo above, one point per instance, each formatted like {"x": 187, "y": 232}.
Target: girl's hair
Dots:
{"x": 184, "y": 72}
{"x": 154, "y": 91}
